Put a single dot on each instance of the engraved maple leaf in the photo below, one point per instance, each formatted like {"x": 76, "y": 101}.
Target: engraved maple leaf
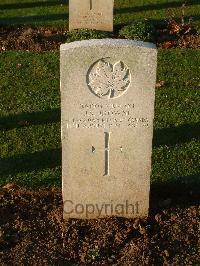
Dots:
{"x": 109, "y": 81}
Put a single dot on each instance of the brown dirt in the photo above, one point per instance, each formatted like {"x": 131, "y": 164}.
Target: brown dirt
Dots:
{"x": 175, "y": 34}
{"x": 50, "y": 39}
{"x": 34, "y": 233}
{"x": 31, "y": 39}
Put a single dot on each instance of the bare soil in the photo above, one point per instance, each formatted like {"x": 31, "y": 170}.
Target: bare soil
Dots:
{"x": 33, "y": 232}
{"x": 31, "y": 39}
{"x": 50, "y": 39}
{"x": 178, "y": 35}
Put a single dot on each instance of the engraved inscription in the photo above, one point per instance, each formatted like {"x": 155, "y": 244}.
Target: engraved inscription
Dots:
{"x": 108, "y": 81}
{"x": 107, "y": 116}
{"x": 91, "y": 18}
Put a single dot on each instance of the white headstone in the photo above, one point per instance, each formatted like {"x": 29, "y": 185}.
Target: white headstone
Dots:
{"x": 107, "y": 94}
{"x": 91, "y": 14}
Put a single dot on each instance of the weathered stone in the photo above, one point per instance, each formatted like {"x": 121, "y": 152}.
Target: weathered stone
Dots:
{"x": 107, "y": 94}
{"x": 91, "y": 14}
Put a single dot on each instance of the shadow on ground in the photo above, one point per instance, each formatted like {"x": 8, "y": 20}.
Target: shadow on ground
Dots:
{"x": 64, "y": 16}
{"x": 25, "y": 163}
{"x": 148, "y": 7}
{"x": 27, "y": 119}
{"x": 176, "y": 135}
{"x": 184, "y": 190}
{"x": 157, "y": 6}
{"x": 33, "y": 4}
{"x": 158, "y": 22}
{"x": 33, "y": 19}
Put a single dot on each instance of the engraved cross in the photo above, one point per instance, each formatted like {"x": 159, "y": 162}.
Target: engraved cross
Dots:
{"x": 107, "y": 153}
{"x": 91, "y": 4}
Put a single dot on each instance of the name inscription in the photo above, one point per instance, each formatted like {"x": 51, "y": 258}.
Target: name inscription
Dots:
{"x": 91, "y": 18}
{"x": 106, "y": 116}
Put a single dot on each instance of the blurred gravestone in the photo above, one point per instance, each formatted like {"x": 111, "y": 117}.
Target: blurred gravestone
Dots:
{"x": 91, "y": 14}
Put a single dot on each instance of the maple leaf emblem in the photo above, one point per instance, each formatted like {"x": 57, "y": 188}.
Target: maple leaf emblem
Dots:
{"x": 109, "y": 81}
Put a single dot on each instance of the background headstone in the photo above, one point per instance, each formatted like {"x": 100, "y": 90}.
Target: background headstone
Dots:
{"x": 107, "y": 94}
{"x": 91, "y": 14}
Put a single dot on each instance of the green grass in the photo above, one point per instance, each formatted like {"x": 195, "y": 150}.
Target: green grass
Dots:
{"x": 29, "y": 91}
{"x": 55, "y": 13}
{"x": 30, "y": 146}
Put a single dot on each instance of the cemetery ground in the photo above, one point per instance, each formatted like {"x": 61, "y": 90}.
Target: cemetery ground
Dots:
{"x": 32, "y": 229}
{"x": 43, "y": 25}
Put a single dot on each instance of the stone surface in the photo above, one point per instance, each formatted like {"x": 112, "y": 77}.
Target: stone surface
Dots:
{"x": 107, "y": 95}
{"x": 91, "y": 14}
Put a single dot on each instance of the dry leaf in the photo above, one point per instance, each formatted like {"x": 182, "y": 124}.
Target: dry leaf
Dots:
{"x": 167, "y": 45}
{"x": 10, "y": 186}
{"x": 160, "y": 84}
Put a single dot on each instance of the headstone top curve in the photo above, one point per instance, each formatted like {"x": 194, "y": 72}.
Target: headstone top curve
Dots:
{"x": 107, "y": 42}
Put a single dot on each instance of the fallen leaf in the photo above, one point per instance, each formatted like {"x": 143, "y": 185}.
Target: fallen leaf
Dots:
{"x": 167, "y": 45}
{"x": 10, "y": 186}
{"x": 158, "y": 218}
{"x": 160, "y": 84}
{"x": 174, "y": 27}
